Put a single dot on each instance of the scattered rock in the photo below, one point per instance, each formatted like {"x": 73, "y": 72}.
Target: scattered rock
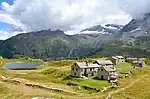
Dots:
{"x": 79, "y": 87}
{"x": 109, "y": 96}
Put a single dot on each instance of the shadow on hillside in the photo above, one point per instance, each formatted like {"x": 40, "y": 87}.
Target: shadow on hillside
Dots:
{"x": 96, "y": 78}
{"x": 68, "y": 77}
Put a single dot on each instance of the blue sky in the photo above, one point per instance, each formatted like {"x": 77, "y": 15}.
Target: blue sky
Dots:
{"x": 8, "y": 1}
{"x": 5, "y": 26}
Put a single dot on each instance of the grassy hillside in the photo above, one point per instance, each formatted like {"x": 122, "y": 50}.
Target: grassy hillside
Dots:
{"x": 135, "y": 87}
{"x": 122, "y": 67}
{"x": 116, "y": 47}
{"x": 56, "y": 74}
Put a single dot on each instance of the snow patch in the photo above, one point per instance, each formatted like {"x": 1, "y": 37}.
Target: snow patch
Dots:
{"x": 137, "y": 29}
{"x": 111, "y": 27}
{"x": 96, "y": 32}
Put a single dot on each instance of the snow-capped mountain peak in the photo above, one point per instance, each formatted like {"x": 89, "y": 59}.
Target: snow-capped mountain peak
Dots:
{"x": 103, "y": 29}
{"x": 136, "y": 28}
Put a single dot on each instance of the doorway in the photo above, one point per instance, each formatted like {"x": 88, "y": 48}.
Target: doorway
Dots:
{"x": 102, "y": 77}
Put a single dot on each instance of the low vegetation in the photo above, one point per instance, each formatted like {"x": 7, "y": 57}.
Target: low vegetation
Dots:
{"x": 91, "y": 83}
{"x": 57, "y": 75}
{"x": 123, "y": 67}
{"x": 135, "y": 87}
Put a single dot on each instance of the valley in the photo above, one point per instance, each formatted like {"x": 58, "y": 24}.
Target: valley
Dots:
{"x": 74, "y": 49}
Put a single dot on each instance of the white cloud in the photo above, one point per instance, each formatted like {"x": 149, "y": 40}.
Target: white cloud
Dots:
{"x": 14, "y": 26}
{"x": 135, "y": 8}
{"x": 7, "y": 18}
{"x": 7, "y": 34}
{"x": 71, "y": 15}
{"x": 5, "y": 5}
{"x": 4, "y": 35}
{"x": 67, "y": 15}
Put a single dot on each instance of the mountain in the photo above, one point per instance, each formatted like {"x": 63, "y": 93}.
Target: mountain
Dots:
{"x": 106, "y": 29}
{"x": 51, "y": 44}
{"x": 131, "y": 39}
{"x": 118, "y": 47}
{"x": 114, "y": 26}
{"x": 135, "y": 28}
{"x": 96, "y": 41}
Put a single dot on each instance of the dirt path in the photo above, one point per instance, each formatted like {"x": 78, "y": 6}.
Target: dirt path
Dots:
{"x": 31, "y": 84}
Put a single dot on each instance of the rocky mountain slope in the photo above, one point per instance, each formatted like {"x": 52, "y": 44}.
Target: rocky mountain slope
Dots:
{"x": 110, "y": 29}
{"x": 51, "y": 44}
{"x": 135, "y": 28}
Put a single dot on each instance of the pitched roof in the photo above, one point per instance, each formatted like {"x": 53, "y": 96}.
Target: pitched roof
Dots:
{"x": 142, "y": 59}
{"x": 114, "y": 57}
{"x": 104, "y": 62}
{"x": 130, "y": 58}
{"x": 119, "y": 57}
{"x": 109, "y": 68}
{"x": 85, "y": 65}
{"x": 139, "y": 61}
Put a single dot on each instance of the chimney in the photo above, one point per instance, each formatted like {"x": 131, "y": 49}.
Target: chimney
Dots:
{"x": 86, "y": 63}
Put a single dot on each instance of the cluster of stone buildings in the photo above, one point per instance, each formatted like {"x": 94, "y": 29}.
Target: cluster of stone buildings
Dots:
{"x": 136, "y": 62}
{"x": 104, "y": 69}
{"x": 117, "y": 59}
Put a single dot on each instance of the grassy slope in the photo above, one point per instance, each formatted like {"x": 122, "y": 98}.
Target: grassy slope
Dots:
{"x": 56, "y": 73}
{"x": 136, "y": 87}
{"x": 92, "y": 83}
{"x": 122, "y": 67}
{"x": 59, "y": 72}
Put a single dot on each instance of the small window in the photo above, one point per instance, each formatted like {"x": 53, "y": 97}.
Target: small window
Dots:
{"x": 76, "y": 69}
{"x": 75, "y": 74}
{"x": 101, "y": 69}
{"x": 82, "y": 74}
{"x": 75, "y": 64}
{"x": 72, "y": 68}
{"x": 90, "y": 69}
{"x": 93, "y": 74}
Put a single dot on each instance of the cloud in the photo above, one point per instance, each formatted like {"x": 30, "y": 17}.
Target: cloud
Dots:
{"x": 135, "y": 8}
{"x": 4, "y": 35}
{"x": 71, "y": 15}
{"x": 14, "y": 26}
{"x": 67, "y": 15}
{"x": 7, "y": 34}
{"x": 5, "y": 5}
{"x": 7, "y": 18}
